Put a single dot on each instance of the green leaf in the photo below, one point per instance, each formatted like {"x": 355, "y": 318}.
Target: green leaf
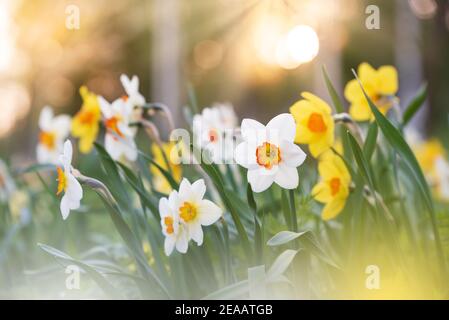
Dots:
{"x": 281, "y": 264}
{"x": 397, "y": 142}
{"x": 414, "y": 106}
{"x": 104, "y": 284}
{"x": 361, "y": 161}
{"x": 129, "y": 238}
{"x": 336, "y": 101}
{"x": 284, "y": 237}
{"x": 370, "y": 142}
{"x": 167, "y": 175}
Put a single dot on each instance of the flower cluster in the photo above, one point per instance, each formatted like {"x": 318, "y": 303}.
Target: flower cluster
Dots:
{"x": 270, "y": 153}
{"x": 184, "y": 213}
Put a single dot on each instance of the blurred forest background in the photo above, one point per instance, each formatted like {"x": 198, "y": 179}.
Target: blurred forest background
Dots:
{"x": 226, "y": 50}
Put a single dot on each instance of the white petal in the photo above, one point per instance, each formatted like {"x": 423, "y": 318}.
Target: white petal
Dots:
{"x": 65, "y": 210}
{"x": 246, "y": 157}
{"x": 125, "y": 83}
{"x": 259, "y": 181}
{"x": 291, "y": 154}
{"x": 182, "y": 241}
{"x": 67, "y": 154}
{"x": 113, "y": 146}
{"x": 208, "y": 213}
{"x": 74, "y": 189}
{"x": 287, "y": 177}
{"x": 251, "y": 128}
{"x": 169, "y": 245}
{"x": 164, "y": 209}
{"x": 198, "y": 189}
{"x": 45, "y": 118}
{"x": 185, "y": 189}
{"x": 196, "y": 232}
{"x": 105, "y": 107}
{"x": 61, "y": 125}
{"x": 283, "y": 126}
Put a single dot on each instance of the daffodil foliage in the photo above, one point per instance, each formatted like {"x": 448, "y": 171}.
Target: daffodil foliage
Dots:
{"x": 331, "y": 198}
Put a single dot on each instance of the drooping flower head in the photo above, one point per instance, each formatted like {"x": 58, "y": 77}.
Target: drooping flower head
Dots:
{"x": 380, "y": 85}
{"x": 269, "y": 153}
{"x": 213, "y": 130}
{"x": 67, "y": 183}
{"x": 314, "y": 123}
{"x": 86, "y": 122}
{"x": 333, "y": 188}
{"x": 53, "y": 131}
{"x": 171, "y": 153}
{"x": 119, "y": 137}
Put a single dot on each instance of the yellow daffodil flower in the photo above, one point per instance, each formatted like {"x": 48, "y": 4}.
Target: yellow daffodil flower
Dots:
{"x": 432, "y": 158}
{"x": 171, "y": 151}
{"x": 85, "y": 123}
{"x": 333, "y": 189}
{"x": 427, "y": 153}
{"x": 380, "y": 85}
{"x": 314, "y": 123}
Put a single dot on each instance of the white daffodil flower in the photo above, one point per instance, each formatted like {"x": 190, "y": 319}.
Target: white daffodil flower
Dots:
{"x": 67, "y": 183}
{"x": 269, "y": 153}
{"x": 176, "y": 235}
{"x": 119, "y": 137}
{"x": 134, "y": 99}
{"x": 53, "y": 132}
{"x": 131, "y": 86}
{"x": 213, "y": 131}
{"x": 193, "y": 210}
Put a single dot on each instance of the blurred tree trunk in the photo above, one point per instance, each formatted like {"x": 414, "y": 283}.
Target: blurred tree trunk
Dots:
{"x": 166, "y": 55}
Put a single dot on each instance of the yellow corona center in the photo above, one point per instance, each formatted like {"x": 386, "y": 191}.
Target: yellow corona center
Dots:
{"x": 62, "y": 181}
{"x": 187, "y": 211}
{"x": 168, "y": 221}
{"x": 48, "y": 139}
{"x": 316, "y": 123}
{"x": 268, "y": 155}
{"x": 112, "y": 125}
{"x": 335, "y": 184}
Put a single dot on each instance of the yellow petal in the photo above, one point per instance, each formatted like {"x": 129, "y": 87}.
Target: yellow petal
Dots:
{"x": 317, "y": 102}
{"x": 353, "y": 92}
{"x": 366, "y": 72}
{"x": 360, "y": 111}
{"x": 387, "y": 80}
{"x": 318, "y": 148}
{"x": 321, "y": 192}
{"x": 333, "y": 208}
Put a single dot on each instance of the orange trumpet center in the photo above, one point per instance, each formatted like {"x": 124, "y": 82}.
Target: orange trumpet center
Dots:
{"x": 168, "y": 221}
{"x": 316, "y": 123}
{"x": 268, "y": 155}
{"x": 48, "y": 139}
{"x": 335, "y": 184}
{"x": 112, "y": 125}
